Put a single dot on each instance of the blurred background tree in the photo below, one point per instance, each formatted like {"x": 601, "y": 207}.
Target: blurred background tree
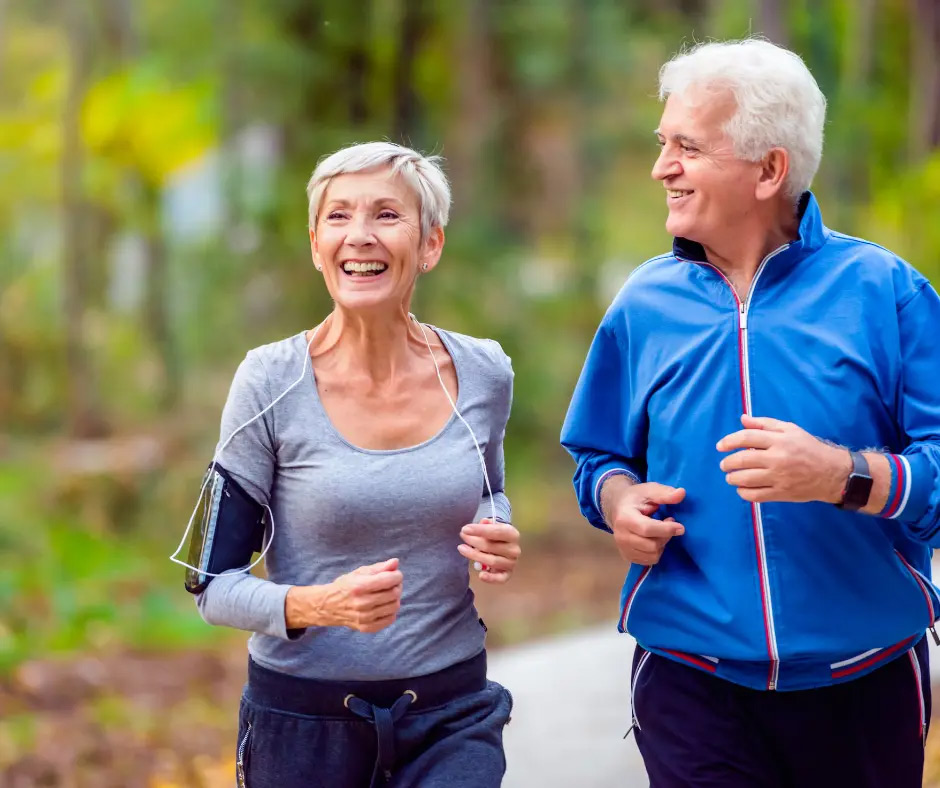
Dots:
{"x": 154, "y": 156}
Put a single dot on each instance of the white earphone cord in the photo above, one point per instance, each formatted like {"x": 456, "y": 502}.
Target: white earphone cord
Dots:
{"x": 215, "y": 457}
{"x": 303, "y": 372}
{"x": 453, "y": 405}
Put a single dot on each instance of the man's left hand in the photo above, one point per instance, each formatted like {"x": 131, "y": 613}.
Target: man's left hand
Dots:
{"x": 778, "y": 461}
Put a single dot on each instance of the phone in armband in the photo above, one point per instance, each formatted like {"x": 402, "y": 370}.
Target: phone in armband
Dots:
{"x": 229, "y": 528}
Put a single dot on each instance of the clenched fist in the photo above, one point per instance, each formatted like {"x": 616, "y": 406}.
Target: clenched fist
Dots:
{"x": 627, "y": 508}
{"x": 366, "y": 600}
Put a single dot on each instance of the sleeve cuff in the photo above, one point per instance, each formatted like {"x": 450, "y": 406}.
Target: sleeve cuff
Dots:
{"x": 502, "y": 505}
{"x": 603, "y": 476}
{"x": 911, "y": 481}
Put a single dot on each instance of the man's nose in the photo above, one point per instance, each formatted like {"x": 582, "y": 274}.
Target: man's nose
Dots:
{"x": 665, "y": 165}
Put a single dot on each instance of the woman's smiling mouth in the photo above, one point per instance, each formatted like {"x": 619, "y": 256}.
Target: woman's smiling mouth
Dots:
{"x": 363, "y": 268}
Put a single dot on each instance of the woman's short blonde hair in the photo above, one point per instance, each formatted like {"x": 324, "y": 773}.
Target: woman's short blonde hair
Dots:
{"x": 421, "y": 173}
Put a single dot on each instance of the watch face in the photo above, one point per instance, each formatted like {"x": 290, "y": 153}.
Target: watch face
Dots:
{"x": 857, "y": 491}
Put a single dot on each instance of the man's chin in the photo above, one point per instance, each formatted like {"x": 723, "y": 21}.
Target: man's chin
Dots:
{"x": 675, "y": 226}
{"x": 681, "y": 227}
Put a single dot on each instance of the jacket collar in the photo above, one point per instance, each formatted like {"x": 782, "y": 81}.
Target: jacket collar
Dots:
{"x": 812, "y": 235}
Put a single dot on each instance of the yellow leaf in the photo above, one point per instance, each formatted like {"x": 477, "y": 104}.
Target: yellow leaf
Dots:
{"x": 141, "y": 121}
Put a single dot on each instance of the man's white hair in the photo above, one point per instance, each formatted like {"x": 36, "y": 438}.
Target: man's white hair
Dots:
{"x": 778, "y": 102}
{"x": 422, "y": 173}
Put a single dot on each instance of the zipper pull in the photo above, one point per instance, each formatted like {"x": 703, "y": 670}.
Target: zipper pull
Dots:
{"x": 629, "y": 730}
{"x": 743, "y": 315}
{"x": 936, "y": 637}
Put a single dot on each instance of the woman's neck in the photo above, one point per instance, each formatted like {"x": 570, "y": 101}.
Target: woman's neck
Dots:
{"x": 378, "y": 346}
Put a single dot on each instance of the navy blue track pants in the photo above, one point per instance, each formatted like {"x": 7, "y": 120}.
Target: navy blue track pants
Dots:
{"x": 694, "y": 729}
{"x": 443, "y": 729}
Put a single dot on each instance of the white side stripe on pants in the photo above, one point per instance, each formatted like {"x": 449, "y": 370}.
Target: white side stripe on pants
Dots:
{"x": 636, "y": 677}
{"x": 915, "y": 664}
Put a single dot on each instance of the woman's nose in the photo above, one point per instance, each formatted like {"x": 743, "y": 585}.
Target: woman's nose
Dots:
{"x": 360, "y": 231}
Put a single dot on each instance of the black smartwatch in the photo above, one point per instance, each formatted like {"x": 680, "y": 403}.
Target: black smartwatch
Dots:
{"x": 858, "y": 486}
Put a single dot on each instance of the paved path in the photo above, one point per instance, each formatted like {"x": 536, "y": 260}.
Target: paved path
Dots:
{"x": 572, "y": 706}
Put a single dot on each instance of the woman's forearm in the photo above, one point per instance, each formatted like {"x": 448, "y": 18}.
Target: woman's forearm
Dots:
{"x": 243, "y": 601}
{"x": 305, "y": 606}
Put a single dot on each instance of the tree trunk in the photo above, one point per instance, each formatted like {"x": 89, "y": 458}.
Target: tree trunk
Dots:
{"x": 413, "y": 24}
{"x": 358, "y": 65}
{"x": 302, "y": 25}
{"x": 474, "y": 119}
{"x": 156, "y": 307}
{"x": 925, "y": 78}
{"x": 772, "y": 21}
{"x": 3, "y": 8}
{"x": 853, "y": 146}
{"x": 583, "y": 83}
{"x": 120, "y": 33}
{"x": 81, "y": 413}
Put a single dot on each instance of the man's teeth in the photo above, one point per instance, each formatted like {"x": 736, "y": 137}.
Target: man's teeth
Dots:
{"x": 676, "y": 193}
{"x": 369, "y": 268}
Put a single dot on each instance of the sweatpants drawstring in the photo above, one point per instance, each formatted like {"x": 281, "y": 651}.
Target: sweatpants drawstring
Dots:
{"x": 384, "y": 720}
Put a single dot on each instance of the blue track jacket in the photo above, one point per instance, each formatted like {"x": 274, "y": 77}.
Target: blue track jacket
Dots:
{"x": 837, "y": 335}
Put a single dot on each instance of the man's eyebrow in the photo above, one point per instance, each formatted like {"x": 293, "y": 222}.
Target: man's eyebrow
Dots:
{"x": 681, "y": 138}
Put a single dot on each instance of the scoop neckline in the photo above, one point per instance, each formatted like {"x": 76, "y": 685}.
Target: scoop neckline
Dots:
{"x": 448, "y": 347}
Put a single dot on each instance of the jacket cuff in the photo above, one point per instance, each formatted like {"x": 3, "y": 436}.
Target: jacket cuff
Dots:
{"x": 911, "y": 485}
{"x": 601, "y": 475}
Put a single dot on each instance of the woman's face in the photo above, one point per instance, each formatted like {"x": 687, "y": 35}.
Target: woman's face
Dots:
{"x": 367, "y": 240}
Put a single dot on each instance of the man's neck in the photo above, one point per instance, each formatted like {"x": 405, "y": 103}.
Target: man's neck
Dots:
{"x": 738, "y": 255}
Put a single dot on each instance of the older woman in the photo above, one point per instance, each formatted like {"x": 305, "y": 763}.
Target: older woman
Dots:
{"x": 367, "y": 662}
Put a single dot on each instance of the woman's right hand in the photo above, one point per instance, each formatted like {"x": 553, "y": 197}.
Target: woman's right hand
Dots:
{"x": 365, "y": 600}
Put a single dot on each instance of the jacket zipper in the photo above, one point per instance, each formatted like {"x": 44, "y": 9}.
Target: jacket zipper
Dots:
{"x": 756, "y": 518}
{"x": 628, "y": 605}
{"x": 931, "y": 611}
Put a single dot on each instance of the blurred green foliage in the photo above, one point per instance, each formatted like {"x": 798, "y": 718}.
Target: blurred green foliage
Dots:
{"x": 123, "y": 120}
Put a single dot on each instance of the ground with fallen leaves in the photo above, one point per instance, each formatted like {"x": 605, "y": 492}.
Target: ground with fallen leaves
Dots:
{"x": 121, "y": 719}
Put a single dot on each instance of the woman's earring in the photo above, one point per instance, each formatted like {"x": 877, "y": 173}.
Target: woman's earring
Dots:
{"x": 318, "y": 267}
{"x": 424, "y": 266}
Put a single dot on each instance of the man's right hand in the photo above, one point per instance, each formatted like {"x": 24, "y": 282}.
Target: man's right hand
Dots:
{"x": 627, "y": 508}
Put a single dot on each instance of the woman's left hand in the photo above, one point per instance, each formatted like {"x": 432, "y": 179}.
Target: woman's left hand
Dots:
{"x": 494, "y": 545}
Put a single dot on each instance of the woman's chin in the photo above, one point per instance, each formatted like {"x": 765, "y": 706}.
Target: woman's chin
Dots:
{"x": 367, "y": 299}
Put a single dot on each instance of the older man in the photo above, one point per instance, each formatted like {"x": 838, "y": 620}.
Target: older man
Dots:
{"x": 758, "y": 424}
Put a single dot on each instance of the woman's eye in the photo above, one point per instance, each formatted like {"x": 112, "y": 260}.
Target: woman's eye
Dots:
{"x": 388, "y": 215}
{"x": 688, "y": 149}
{"x": 335, "y": 215}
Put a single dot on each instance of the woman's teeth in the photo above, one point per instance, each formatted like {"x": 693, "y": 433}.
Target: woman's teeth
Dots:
{"x": 676, "y": 193}
{"x": 364, "y": 268}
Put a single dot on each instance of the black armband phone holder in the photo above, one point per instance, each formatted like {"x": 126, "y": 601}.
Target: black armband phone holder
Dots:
{"x": 228, "y": 529}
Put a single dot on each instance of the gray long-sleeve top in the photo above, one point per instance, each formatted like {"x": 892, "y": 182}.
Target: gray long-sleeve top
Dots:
{"x": 337, "y": 507}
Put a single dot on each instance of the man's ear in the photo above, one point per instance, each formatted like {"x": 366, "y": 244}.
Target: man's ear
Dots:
{"x": 773, "y": 173}
{"x": 431, "y": 248}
